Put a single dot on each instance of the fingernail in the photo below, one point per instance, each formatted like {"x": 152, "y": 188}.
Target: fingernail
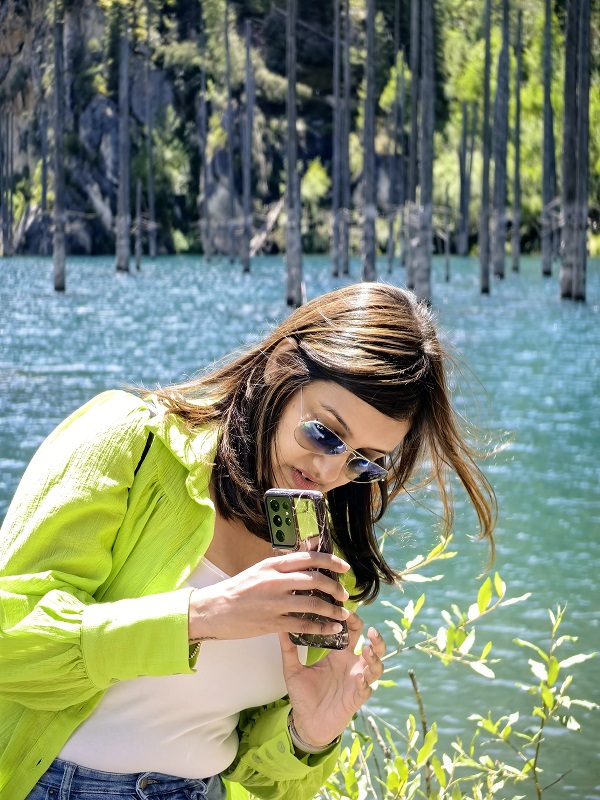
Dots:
{"x": 337, "y": 628}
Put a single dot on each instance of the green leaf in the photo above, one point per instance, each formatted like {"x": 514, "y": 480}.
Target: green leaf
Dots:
{"x": 456, "y": 793}
{"x": 439, "y": 772}
{"x": 485, "y": 651}
{"x": 428, "y": 745}
{"x": 386, "y": 683}
{"x": 466, "y": 646}
{"x": 482, "y": 669}
{"x": 484, "y": 595}
{"x": 553, "y": 670}
{"x": 419, "y": 604}
{"x": 416, "y": 578}
{"x": 511, "y": 601}
{"x": 538, "y": 650}
{"x": 499, "y": 586}
{"x": 578, "y": 659}
{"x": 538, "y": 669}
{"x": 547, "y": 697}
{"x": 401, "y": 769}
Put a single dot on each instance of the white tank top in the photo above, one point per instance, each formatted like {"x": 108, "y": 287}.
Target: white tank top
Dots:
{"x": 182, "y": 725}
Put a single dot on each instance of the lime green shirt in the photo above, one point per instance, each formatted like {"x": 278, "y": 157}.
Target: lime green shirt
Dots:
{"x": 92, "y": 571}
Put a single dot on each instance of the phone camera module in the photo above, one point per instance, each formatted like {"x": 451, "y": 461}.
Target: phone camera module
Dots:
{"x": 275, "y": 505}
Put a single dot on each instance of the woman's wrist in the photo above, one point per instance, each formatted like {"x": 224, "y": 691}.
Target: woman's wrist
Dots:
{"x": 300, "y": 744}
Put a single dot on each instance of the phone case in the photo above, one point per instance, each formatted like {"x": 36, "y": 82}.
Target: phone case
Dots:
{"x": 297, "y": 520}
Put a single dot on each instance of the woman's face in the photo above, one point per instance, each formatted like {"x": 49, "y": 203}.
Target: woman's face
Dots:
{"x": 357, "y": 423}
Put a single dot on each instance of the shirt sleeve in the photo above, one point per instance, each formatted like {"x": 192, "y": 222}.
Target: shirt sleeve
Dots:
{"x": 266, "y": 765}
{"x": 58, "y": 646}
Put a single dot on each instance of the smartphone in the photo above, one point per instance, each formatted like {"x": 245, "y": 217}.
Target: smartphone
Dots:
{"x": 297, "y": 521}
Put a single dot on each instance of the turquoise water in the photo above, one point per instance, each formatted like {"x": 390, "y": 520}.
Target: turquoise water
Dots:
{"x": 537, "y": 387}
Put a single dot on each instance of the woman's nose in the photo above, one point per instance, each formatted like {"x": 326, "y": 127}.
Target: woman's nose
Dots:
{"x": 328, "y": 468}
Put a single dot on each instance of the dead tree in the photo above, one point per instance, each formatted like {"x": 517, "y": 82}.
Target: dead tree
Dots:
{"x": 484, "y": 217}
{"x": 337, "y": 145}
{"x": 247, "y": 152}
{"x": 345, "y": 150}
{"x": 293, "y": 245}
{"x": 368, "y": 183}
{"x": 149, "y": 142}
{"x": 548, "y": 156}
{"x": 123, "y": 222}
{"x": 393, "y": 190}
{"x": 229, "y": 116}
{"x": 58, "y": 243}
{"x": 422, "y": 256}
{"x": 500, "y": 151}
{"x": 516, "y": 216}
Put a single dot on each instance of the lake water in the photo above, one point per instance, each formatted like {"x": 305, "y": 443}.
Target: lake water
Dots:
{"x": 536, "y": 362}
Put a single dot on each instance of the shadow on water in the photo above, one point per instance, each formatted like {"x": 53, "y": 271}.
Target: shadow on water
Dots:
{"x": 536, "y": 362}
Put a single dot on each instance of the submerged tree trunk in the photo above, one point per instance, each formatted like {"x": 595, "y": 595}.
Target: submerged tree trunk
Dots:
{"x": 149, "y": 142}
{"x": 58, "y": 243}
{"x": 249, "y": 120}
{"x": 414, "y": 98}
{"x": 345, "y": 151}
{"x": 461, "y": 244}
{"x": 369, "y": 189}
{"x": 293, "y": 246}
{"x": 203, "y": 209}
{"x": 548, "y": 147}
{"x": 500, "y": 150}
{"x": 516, "y": 220}
{"x": 123, "y": 239}
{"x": 484, "y": 218}
{"x": 336, "y": 145}
{"x": 569, "y": 159}
{"x": 229, "y": 113}
{"x": 138, "y": 225}
{"x": 583, "y": 122}
{"x": 422, "y": 266}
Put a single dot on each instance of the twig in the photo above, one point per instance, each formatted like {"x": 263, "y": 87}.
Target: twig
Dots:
{"x": 417, "y": 691}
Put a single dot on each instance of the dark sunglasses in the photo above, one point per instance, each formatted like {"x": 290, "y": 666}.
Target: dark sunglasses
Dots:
{"x": 315, "y": 437}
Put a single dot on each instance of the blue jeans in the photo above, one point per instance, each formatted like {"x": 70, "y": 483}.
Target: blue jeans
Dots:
{"x": 66, "y": 781}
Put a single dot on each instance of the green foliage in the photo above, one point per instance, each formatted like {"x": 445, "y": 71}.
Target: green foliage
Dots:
{"x": 391, "y": 761}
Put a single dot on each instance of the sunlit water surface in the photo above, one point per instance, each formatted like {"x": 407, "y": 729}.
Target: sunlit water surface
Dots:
{"x": 537, "y": 388}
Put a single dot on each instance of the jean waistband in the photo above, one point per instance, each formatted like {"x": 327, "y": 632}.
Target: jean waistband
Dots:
{"x": 96, "y": 780}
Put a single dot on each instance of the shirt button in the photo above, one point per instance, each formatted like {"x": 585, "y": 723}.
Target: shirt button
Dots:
{"x": 281, "y": 747}
{"x": 257, "y": 758}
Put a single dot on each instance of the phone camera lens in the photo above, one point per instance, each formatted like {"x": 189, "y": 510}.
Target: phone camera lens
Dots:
{"x": 280, "y": 536}
{"x": 277, "y": 520}
{"x": 275, "y": 505}
{"x": 288, "y": 521}
{"x": 286, "y": 506}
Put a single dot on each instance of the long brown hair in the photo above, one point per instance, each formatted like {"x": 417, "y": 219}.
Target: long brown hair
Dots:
{"x": 376, "y": 341}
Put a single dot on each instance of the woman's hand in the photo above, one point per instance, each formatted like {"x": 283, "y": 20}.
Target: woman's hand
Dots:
{"x": 326, "y": 695}
{"x": 260, "y": 599}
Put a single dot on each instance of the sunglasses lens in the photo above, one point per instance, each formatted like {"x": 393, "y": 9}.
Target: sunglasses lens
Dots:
{"x": 360, "y": 470}
{"x": 316, "y": 437}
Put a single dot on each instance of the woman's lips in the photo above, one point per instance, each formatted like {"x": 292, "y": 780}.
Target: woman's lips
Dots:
{"x": 303, "y": 481}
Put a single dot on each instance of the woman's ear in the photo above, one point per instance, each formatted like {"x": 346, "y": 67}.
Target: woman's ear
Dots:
{"x": 274, "y": 359}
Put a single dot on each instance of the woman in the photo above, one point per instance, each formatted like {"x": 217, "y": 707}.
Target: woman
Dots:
{"x": 144, "y": 648}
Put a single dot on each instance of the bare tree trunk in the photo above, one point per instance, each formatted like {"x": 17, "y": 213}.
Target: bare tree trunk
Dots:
{"x": 462, "y": 245}
{"x": 248, "y": 151}
{"x": 414, "y": 98}
{"x": 295, "y": 286}
{"x": 447, "y": 237}
{"x": 337, "y": 144}
{"x": 231, "y": 195}
{"x": 403, "y": 165}
{"x": 149, "y": 142}
{"x": 138, "y": 225}
{"x": 203, "y": 209}
{"x": 500, "y": 150}
{"x": 123, "y": 239}
{"x": 11, "y": 184}
{"x": 58, "y": 244}
{"x": 471, "y": 150}
{"x": 344, "y": 151}
{"x": 422, "y": 265}
{"x": 516, "y": 221}
{"x": 393, "y": 191}
{"x": 484, "y": 218}
{"x": 583, "y": 124}
{"x": 369, "y": 188}
{"x": 44, "y": 177}
{"x": 569, "y": 159}
{"x": 2, "y": 190}
{"x": 548, "y": 146}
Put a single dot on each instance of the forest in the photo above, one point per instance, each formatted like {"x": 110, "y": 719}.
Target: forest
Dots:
{"x": 167, "y": 126}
